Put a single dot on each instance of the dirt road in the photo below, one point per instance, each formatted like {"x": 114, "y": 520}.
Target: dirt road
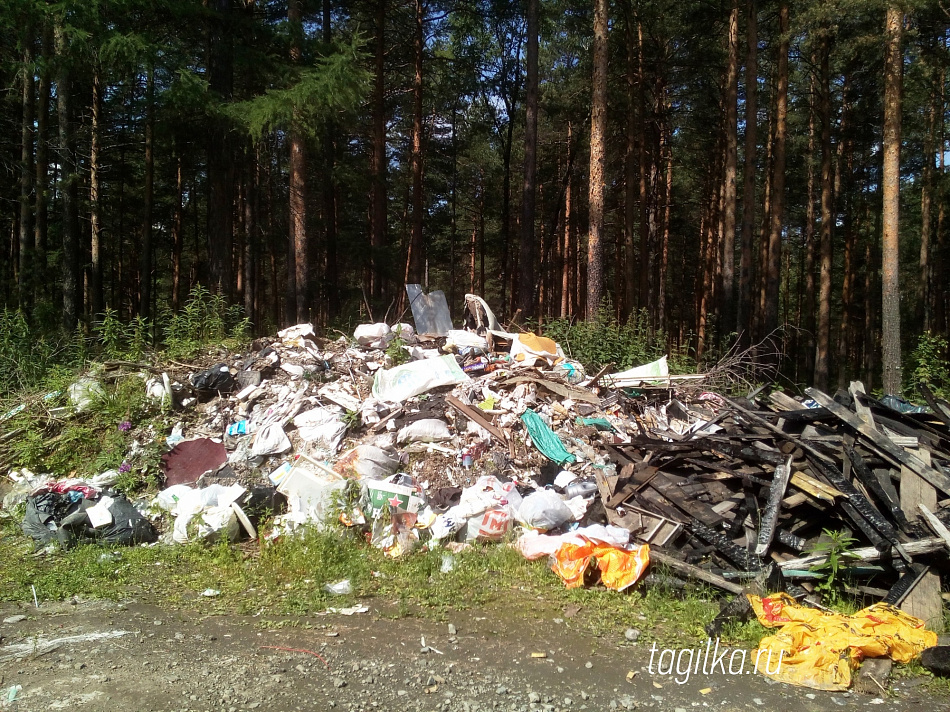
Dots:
{"x": 100, "y": 655}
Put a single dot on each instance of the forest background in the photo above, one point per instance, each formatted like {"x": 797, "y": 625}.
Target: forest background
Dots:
{"x": 695, "y": 174}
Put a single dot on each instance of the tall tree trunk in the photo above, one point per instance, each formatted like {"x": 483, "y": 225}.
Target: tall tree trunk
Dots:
{"x": 643, "y": 128}
{"x": 808, "y": 309}
{"x": 745, "y": 299}
{"x": 177, "y": 226}
{"x": 662, "y": 316}
{"x": 939, "y": 291}
{"x": 729, "y": 187}
{"x": 890, "y": 183}
{"x": 453, "y": 226}
{"x": 631, "y": 184}
{"x": 299, "y": 240}
{"x": 40, "y": 285}
{"x": 68, "y": 186}
{"x": 598, "y": 128}
{"x": 926, "y": 199}
{"x": 145, "y": 283}
{"x": 416, "y": 259}
{"x": 251, "y": 230}
{"x": 528, "y": 281}
{"x": 27, "y": 170}
{"x": 569, "y": 274}
{"x": 762, "y": 272}
{"x": 378, "y": 158}
{"x": 331, "y": 296}
{"x": 823, "y": 354}
{"x": 844, "y": 187}
{"x": 220, "y": 160}
{"x": 770, "y": 316}
{"x": 96, "y": 297}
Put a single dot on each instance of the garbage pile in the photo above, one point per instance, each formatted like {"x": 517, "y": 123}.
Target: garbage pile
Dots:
{"x": 429, "y": 435}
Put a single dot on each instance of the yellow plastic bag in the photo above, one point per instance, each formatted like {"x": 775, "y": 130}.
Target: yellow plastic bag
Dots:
{"x": 819, "y": 650}
{"x": 619, "y": 568}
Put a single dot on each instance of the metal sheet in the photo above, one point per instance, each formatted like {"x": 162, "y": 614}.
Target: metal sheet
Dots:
{"x": 430, "y": 311}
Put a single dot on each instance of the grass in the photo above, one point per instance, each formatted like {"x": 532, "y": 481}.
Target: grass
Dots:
{"x": 287, "y": 578}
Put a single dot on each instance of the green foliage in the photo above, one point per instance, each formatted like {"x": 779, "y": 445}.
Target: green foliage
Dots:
{"x": 123, "y": 341}
{"x": 838, "y": 547}
{"x": 28, "y": 355}
{"x": 204, "y": 319}
{"x": 605, "y": 340}
{"x": 352, "y": 419}
{"x": 395, "y": 350}
{"x": 336, "y": 83}
{"x": 930, "y": 363}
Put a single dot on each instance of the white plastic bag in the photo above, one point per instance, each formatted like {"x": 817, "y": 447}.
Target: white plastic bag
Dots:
{"x": 209, "y": 508}
{"x": 376, "y": 336}
{"x": 464, "y": 339}
{"x": 427, "y": 430}
{"x": 270, "y": 440}
{"x": 322, "y": 426}
{"x": 544, "y": 510}
{"x": 83, "y": 392}
{"x": 395, "y": 385}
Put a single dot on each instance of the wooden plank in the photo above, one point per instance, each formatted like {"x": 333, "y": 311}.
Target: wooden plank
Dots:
{"x": 703, "y": 512}
{"x": 924, "y": 602}
{"x": 935, "y": 524}
{"x": 769, "y": 518}
{"x": 869, "y": 553}
{"x": 694, "y": 572}
{"x": 864, "y": 413}
{"x": 914, "y": 491}
{"x": 939, "y": 410}
{"x": 478, "y": 417}
{"x": 883, "y": 443}
{"x": 872, "y": 677}
{"x": 784, "y": 401}
{"x": 768, "y": 426}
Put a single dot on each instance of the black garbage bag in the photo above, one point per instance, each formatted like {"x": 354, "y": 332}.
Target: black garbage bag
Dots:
{"x": 44, "y": 513}
{"x": 63, "y": 518}
{"x": 128, "y": 526}
{"x": 217, "y": 379}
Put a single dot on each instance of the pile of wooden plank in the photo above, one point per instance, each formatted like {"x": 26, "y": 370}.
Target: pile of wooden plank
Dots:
{"x": 753, "y": 495}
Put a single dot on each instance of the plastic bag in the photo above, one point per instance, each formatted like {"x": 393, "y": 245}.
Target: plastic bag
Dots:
{"x": 322, "y": 426}
{"x": 395, "y": 385}
{"x": 270, "y": 440}
{"x": 535, "y": 545}
{"x": 367, "y": 461}
{"x": 210, "y": 510}
{"x": 619, "y": 568}
{"x": 376, "y": 336}
{"x": 427, "y": 430}
{"x": 544, "y": 510}
{"x": 819, "y": 649}
{"x": 469, "y": 339}
{"x": 545, "y": 439}
{"x": 84, "y": 392}
{"x": 218, "y": 379}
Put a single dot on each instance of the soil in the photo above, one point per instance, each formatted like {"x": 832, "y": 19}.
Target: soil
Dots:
{"x": 102, "y": 655}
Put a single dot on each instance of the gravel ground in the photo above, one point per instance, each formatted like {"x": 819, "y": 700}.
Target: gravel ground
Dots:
{"x": 129, "y": 656}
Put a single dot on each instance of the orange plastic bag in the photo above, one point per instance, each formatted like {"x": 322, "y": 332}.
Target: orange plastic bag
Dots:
{"x": 619, "y": 568}
{"x": 818, "y": 649}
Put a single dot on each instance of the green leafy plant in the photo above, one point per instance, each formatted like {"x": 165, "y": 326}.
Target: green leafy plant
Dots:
{"x": 604, "y": 340}
{"x": 395, "y": 350}
{"x": 204, "y": 319}
{"x": 352, "y": 419}
{"x": 930, "y": 363}
{"x": 838, "y": 547}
